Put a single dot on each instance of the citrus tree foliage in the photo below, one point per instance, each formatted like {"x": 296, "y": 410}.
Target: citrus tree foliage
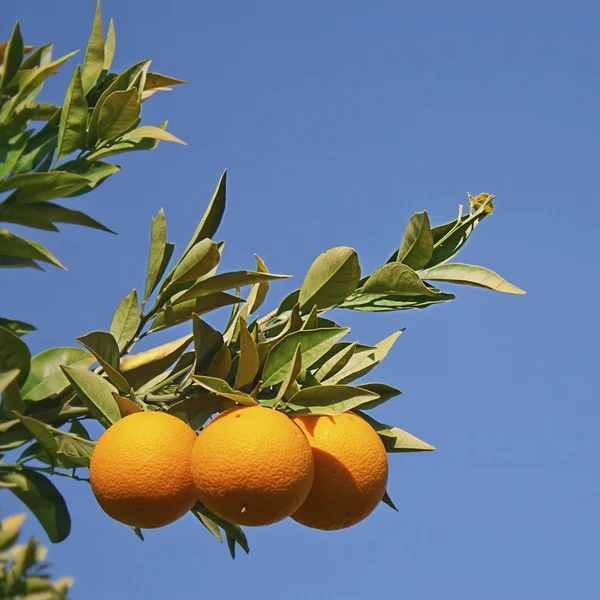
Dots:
{"x": 298, "y": 358}
{"x": 23, "y": 567}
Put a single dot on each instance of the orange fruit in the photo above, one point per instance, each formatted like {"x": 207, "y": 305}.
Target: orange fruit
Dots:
{"x": 140, "y": 469}
{"x": 252, "y": 466}
{"x": 351, "y": 471}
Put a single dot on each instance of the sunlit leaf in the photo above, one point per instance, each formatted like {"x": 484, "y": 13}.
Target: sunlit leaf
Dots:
{"x": 93, "y": 62}
{"x": 416, "y": 247}
{"x": 73, "y": 118}
{"x": 470, "y": 275}
{"x": 222, "y": 388}
{"x": 248, "y": 363}
{"x": 124, "y": 323}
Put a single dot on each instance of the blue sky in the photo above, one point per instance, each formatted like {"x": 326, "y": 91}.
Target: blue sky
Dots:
{"x": 337, "y": 120}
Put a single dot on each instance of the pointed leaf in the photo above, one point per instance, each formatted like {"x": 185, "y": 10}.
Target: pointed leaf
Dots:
{"x": 151, "y": 132}
{"x": 39, "y": 187}
{"x": 417, "y": 244}
{"x": 93, "y": 62}
{"x": 196, "y": 410}
{"x": 7, "y": 377}
{"x": 46, "y": 377}
{"x": 387, "y": 500}
{"x": 395, "y": 439}
{"x": 14, "y": 354}
{"x": 331, "y": 278}
{"x": 384, "y": 391}
{"x": 13, "y": 245}
{"x": 19, "y": 328}
{"x": 41, "y": 433}
{"x": 315, "y": 343}
{"x": 73, "y": 118}
{"x": 222, "y": 388}
{"x": 43, "y": 500}
{"x": 156, "y": 80}
{"x": 10, "y": 528}
{"x": 141, "y": 368}
{"x": 259, "y": 291}
{"x": 294, "y": 369}
{"x": 390, "y": 302}
{"x": 109, "y": 46}
{"x": 337, "y": 361}
{"x": 396, "y": 278}
{"x": 330, "y": 399}
{"x": 207, "y": 341}
{"x": 220, "y": 365}
{"x": 248, "y": 363}
{"x": 119, "y": 112}
{"x": 126, "y": 406}
{"x": 104, "y": 347}
{"x": 158, "y": 241}
{"x": 232, "y": 530}
{"x": 225, "y": 281}
{"x": 95, "y": 393}
{"x": 124, "y": 323}
{"x": 182, "y": 312}
{"x": 12, "y": 58}
{"x": 470, "y": 275}
{"x": 200, "y": 260}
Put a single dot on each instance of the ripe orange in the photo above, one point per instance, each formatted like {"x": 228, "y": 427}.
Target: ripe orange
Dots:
{"x": 140, "y": 469}
{"x": 252, "y": 466}
{"x": 351, "y": 471}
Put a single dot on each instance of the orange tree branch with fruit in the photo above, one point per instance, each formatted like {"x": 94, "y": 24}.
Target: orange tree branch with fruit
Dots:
{"x": 269, "y": 418}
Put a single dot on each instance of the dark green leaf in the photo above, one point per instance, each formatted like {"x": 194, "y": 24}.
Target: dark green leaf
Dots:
{"x": 44, "y": 501}
{"x": 196, "y": 410}
{"x": 124, "y": 323}
{"x": 42, "y": 434}
{"x": 13, "y": 56}
{"x": 293, "y": 371}
{"x": 337, "y": 361}
{"x": 39, "y": 187}
{"x": 233, "y": 531}
{"x": 19, "y": 328}
{"x": 387, "y": 500}
{"x": 220, "y": 365}
{"x": 222, "y": 388}
{"x": 315, "y": 343}
{"x": 95, "y": 393}
{"x": 93, "y": 62}
{"x": 396, "y": 278}
{"x": 417, "y": 244}
{"x": 201, "y": 259}
{"x": 248, "y": 363}
{"x": 156, "y": 80}
{"x": 207, "y": 342}
{"x": 119, "y": 113}
{"x": 225, "y": 281}
{"x": 14, "y": 354}
{"x": 395, "y": 439}
{"x": 330, "y": 399}
{"x": 9, "y": 262}
{"x": 46, "y": 377}
{"x": 158, "y": 241}
{"x": 259, "y": 291}
{"x": 384, "y": 391}
{"x": 60, "y": 214}
{"x": 73, "y": 118}
{"x": 11, "y": 150}
{"x": 212, "y": 217}
{"x": 288, "y": 302}
{"x": 174, "y": 315}
{"x": 470, "y": 275}
{"x": 104, "y": 347}
{"x": 332, "y": 277}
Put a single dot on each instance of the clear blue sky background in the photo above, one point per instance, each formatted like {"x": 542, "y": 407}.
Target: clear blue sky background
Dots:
{"x": 337, "y": 120}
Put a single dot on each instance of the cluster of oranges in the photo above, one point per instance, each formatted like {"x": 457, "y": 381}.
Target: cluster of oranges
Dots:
{"x": 250, "y": 465}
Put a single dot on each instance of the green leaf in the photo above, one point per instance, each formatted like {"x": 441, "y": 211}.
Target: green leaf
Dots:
{"x": 330, "y": 399}
{"x": 222, "y": 388}
{"x": 19, "y": 328}
{"x": 104, "y": 347}
{"x": 182, "y": 312}
{"x": 95, "y": 393}
{"x": 396, "y": 278}
{"x": 337, "y": 361}
{"x": 207, "y": 228}
{"x": 11, "y": 150}
{"x": 73, "y": 118}
{"x": 207, "y": 341}
{"x": 7, "y": 377}
{"x": 315, "y": 343}
{"x": 141, "y": 368}
{"x": 232, "y": 530}
{"x": 470, "y": 275}
{"x": 13, "y": 245}
{"x": 39, "y": 187}
{"x": 332, "y": 277}
{"x": 119, "y": 112}
{"x": 294, "y": 369}
{"x": 312, "y": 320}
{"x": 40, "y": 57}
{"x": 158, "y": 242}
{"x": 109, "y": 46}
{"x": 450, "y": 237}
{"x": 259, "y": 291}
{"x": 13, "y": 56}
{"x": 124, "y": 323}
{"x": 248, "y": 363}
{"x": 46, "y": 377}
{"x": 416, "y": 247}
{"x": 10, "y": 527}
{"x": 200, "y": 260}
{"x": 93, "y": 63}
{"x": 42, "y": 434}
{"x": 288, "y": 302}
{"x": 395, "y": 439}
{"x": 151, "y": 132}
{"x": 384, "y": 391}
{"x": 209, "y": 524}
{"x": 220, "y": 365}
{"x": 43, "y": 500}
{"x": 390, "y": 302}
{"x": 387, "y": 500}
{"x": 14, "y": 354}
{"x": 364, "y": 361}
{"x": 156, "y": 80}
{"x": 9, "y": 262}
{"x": 225, "y": 281}
{"x": 196, "y": 410}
